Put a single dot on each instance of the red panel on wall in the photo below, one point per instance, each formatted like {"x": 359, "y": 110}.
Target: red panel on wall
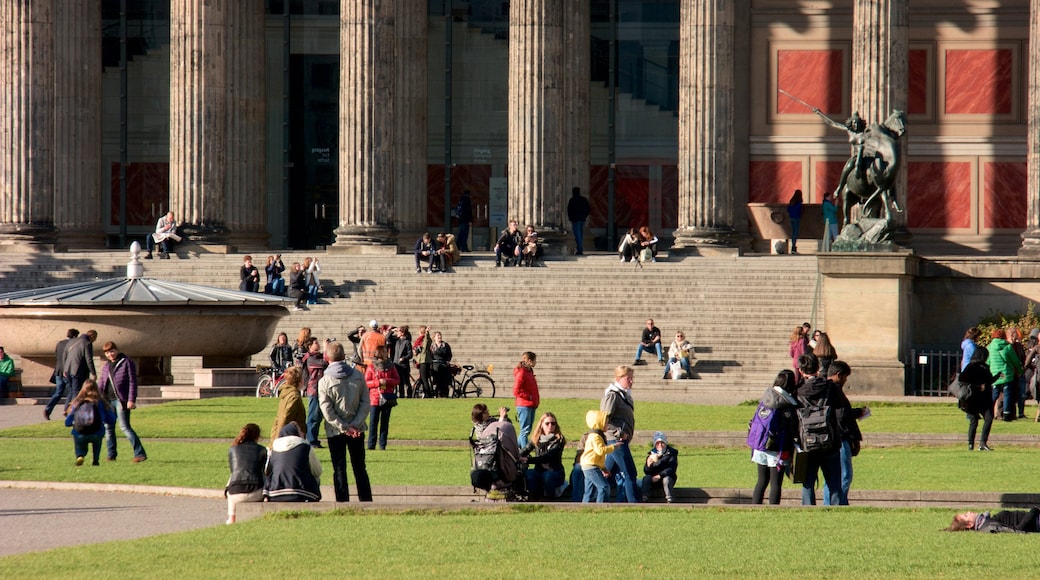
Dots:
{"x": 774, "y": 181}
{"x": 631, "y": 193}
{"x": 978, "y": 82}
{"x": 670, "y": 196}
{"x": 597, "y": 195}
{"x": 475, "y": 178}
{"x": 827, "y": 175}
{"x": 147, "y": 193}
{"x": 939, "y": 195}
{"x": 814, "y": 76}
{"x": 917, "y": 99}
{"x": 1005, "y": 195}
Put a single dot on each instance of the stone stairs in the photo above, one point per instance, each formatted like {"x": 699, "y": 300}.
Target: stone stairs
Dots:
{"x": 581, "y": 316}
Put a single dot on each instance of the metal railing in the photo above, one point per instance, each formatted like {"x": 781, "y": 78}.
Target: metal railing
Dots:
{"x": 932, "y": 370}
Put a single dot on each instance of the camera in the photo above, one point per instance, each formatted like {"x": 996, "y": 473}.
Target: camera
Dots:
{"x": 330, "y": 340}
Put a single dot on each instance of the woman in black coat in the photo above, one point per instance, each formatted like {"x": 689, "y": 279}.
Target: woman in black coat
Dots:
{"x": 980, "y": 402}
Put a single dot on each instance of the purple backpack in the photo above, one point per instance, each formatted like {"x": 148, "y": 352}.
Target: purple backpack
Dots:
{"x": 764, "y": 429}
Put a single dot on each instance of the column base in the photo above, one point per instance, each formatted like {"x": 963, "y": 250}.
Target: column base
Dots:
{"x": 709, "y": 242}
{"x": 1030, "y": 247}
{"x": 555, "y": 242}
{"x": 31, "y": 237}
{"x": 355, "y": 236}
{"x": 204, "y": 234}
{"x": 249, "y": 241}
{"x": 79, "y": 239}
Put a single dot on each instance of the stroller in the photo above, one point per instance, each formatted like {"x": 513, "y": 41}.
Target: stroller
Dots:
{"x": 495, "y": 469}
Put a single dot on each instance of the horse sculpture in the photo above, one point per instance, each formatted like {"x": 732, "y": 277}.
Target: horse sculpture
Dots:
{"x": 870, "y": 173}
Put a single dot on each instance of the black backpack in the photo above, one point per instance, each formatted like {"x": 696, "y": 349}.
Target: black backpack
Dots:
{"x": 86, "y": 419}
{"x": 485, "y": 461}
{"x": 818, "y": 425}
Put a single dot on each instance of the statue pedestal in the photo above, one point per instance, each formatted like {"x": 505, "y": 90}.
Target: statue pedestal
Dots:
{"x": 867, "y": 300}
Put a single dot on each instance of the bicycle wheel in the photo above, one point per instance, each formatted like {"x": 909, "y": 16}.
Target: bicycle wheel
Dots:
{"x": 277, "y": 387}
{"x": 479, "y": 386}
{"x": 265, "y": 387}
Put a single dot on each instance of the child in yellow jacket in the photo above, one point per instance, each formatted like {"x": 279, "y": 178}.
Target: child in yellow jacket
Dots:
{"x": 593, "y": 458}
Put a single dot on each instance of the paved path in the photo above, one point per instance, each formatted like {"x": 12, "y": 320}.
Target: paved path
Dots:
{"x": 41, "y": 519}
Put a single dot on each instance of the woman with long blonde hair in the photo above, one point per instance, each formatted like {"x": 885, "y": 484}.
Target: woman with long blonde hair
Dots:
{"x": 545, "y": 453}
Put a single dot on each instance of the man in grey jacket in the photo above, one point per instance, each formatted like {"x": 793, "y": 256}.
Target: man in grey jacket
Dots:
{"x": 79, "y": 361}
{"x": 343, "y": 398}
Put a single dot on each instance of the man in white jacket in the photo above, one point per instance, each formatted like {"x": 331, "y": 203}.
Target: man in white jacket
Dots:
{"x": 343, "y": 398}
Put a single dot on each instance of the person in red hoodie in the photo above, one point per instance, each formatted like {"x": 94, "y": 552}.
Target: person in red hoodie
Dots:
{"x": 382, "y": 379}
{"x": 525, "y": 389}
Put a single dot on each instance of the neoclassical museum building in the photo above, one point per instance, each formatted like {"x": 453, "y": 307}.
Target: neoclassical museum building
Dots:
{"x": 357, "y": 124}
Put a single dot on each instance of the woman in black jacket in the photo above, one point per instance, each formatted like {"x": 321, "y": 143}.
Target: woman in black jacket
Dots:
{"x": 545, "y": 452}
{"x": 247, "y": 459}
{"x": 980, "y": 402}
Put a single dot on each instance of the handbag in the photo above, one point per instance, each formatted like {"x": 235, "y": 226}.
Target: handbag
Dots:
{"x": 388, "y": 399}
{"x": 960, "y": 391}
{"x": 799, "y": 465}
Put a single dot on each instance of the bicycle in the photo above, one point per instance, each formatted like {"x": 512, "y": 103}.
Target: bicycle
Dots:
{"x": 269, "y": 382}
{"x": 474, "y": 382}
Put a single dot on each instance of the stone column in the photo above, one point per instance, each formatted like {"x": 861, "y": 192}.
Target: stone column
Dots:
{"x": 706, "y": 128}
{"x": 1031, "y": 237}
{"x": 576, "y": 124}
{"x": 366, "y": 124}
{"x": 410, "y": 105}
{"x": 198, "y": 117}
{"x": 77, "y": 124}
{"x": 26, "y": 121}
{"x": 880, "y": 76}
{"x": 246, "y": 179}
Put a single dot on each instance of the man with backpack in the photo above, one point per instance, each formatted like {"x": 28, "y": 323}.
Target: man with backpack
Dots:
{"x": 848, "y": 425}
{"x": 818, "y": 432}
{"x": 496, "y": 455}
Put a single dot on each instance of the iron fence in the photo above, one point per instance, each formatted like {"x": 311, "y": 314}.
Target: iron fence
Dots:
{"x": 932, "y": 370}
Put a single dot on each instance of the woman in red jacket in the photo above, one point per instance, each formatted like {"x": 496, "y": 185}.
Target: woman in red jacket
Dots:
{"x": 525, "y": 389}
{"x": 382, "y": 379}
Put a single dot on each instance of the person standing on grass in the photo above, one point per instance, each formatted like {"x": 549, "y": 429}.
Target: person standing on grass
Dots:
{"x": 89, "y": 434}
{"x": 980, "y": 401}
{"x": 1005, "y": 366}
{"x": 345, "y": 405}
{"x": 969, "y": 345}
{"x": 61, "y": 381}
{"x": 525, "y": 389}
{"x": 813, "y": 391}
{"x": 119, "y": 385}
{"x": 382, "y": 379}
{"x": 247, "y": 460}
{"x": 617, "y": 403}
{"x": 402, "y": 360}
{"x": 848, "y": 426}
{"x": 79, "y": 361}
{"x": 594, "y": 458}
{"x": 314, "y": 365}
{"x": 290, "y": 404}
{"x": 774, "y": 457}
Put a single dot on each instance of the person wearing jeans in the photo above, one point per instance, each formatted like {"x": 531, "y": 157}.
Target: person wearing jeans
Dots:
{"x": 525, "y": 391}
{"x": 61, "y": 382}
{"x": 621, "y": 423}
{"x": 118, "y": 383}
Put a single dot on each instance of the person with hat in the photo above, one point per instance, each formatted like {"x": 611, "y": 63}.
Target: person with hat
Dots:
{"x": 370, "y": 341}
{"x": 660, "y": 467}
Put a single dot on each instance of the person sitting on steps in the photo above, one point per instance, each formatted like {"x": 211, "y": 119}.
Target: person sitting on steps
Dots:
{"x": 165, "y": 230}
{"x": 650, "y": 342}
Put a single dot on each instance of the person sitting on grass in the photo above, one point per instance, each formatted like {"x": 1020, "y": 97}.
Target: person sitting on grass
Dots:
{"x": 545, "y": 453}
{"x": 246, "y": 459}
{"x": 293, "y": 470}
{"x": 1014, "y": 521}
{"x": 508, "y": 460}
{"x": 88, "y": 423}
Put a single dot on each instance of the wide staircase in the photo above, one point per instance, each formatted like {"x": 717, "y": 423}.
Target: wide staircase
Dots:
{"x": 582, "y": 317}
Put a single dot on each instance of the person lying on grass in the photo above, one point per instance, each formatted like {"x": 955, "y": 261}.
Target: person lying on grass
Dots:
{"x": 1014, "y": 521}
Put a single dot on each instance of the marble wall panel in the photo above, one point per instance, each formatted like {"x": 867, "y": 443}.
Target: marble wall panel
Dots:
{"x": 939, "y": 194}
{"x": 774, "y": 181}
{"x": 1004, "y": 195}
{"x": 978, "y": 82}
{"x": 814, "y": 76}
{"x": 917, "y": 97}
{"x": 827, "y": 174}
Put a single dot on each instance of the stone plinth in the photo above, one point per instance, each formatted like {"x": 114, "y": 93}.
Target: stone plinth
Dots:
{"x": 867, "y": 300}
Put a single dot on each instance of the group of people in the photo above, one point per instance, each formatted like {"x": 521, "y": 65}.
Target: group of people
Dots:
{"x": 95, "y": 404}
{"x": 304, "y": 281}
{"x": 436, "y": 255}
{"x": 679, "y": 363}
{"x": 1000, "y": 377}
{"x": 806, "y": 340}
{"x": 516, "y": 248}
{"x": 532, "y": 466}
{"x": 805, "y": 425}
{"x": 829, "y": 209}
{"x": 638, "y": 246}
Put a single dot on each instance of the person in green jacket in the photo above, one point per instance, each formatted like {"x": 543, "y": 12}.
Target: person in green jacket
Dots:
{"x": 6, "y": 372}
{"x": 1005, "y": 366}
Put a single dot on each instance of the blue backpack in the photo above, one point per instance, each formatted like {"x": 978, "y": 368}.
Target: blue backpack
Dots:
{"x": 765, "y": 429}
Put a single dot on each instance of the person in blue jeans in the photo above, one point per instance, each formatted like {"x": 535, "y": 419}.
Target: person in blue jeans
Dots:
{"x": 650, "y": 342}
{"x": 578, "y": 211}
{"x": 593, "y": 458}
{"x": 118, "y": 383}
{"x": 61, "y": 381}
{"x": 848, "y": 416}
{"x": 1006, "y": 367}
{"x": 83, "y": 437}
{"x": 617, "y": 403}
{"x": 794, "y": 211}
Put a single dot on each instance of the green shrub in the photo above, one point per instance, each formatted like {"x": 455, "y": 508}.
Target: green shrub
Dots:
{"x": 1023, "y": 322}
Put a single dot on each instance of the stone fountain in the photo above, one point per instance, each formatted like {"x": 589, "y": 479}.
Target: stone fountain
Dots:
{"x": 151, "y": 320}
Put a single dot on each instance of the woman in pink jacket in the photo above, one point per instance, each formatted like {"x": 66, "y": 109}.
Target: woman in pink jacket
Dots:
{"x": 382, "y": 379}
{"x": 525, "y": 389}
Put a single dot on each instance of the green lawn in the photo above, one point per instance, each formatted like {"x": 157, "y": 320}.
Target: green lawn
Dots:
{"x": 523, "y": 541}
